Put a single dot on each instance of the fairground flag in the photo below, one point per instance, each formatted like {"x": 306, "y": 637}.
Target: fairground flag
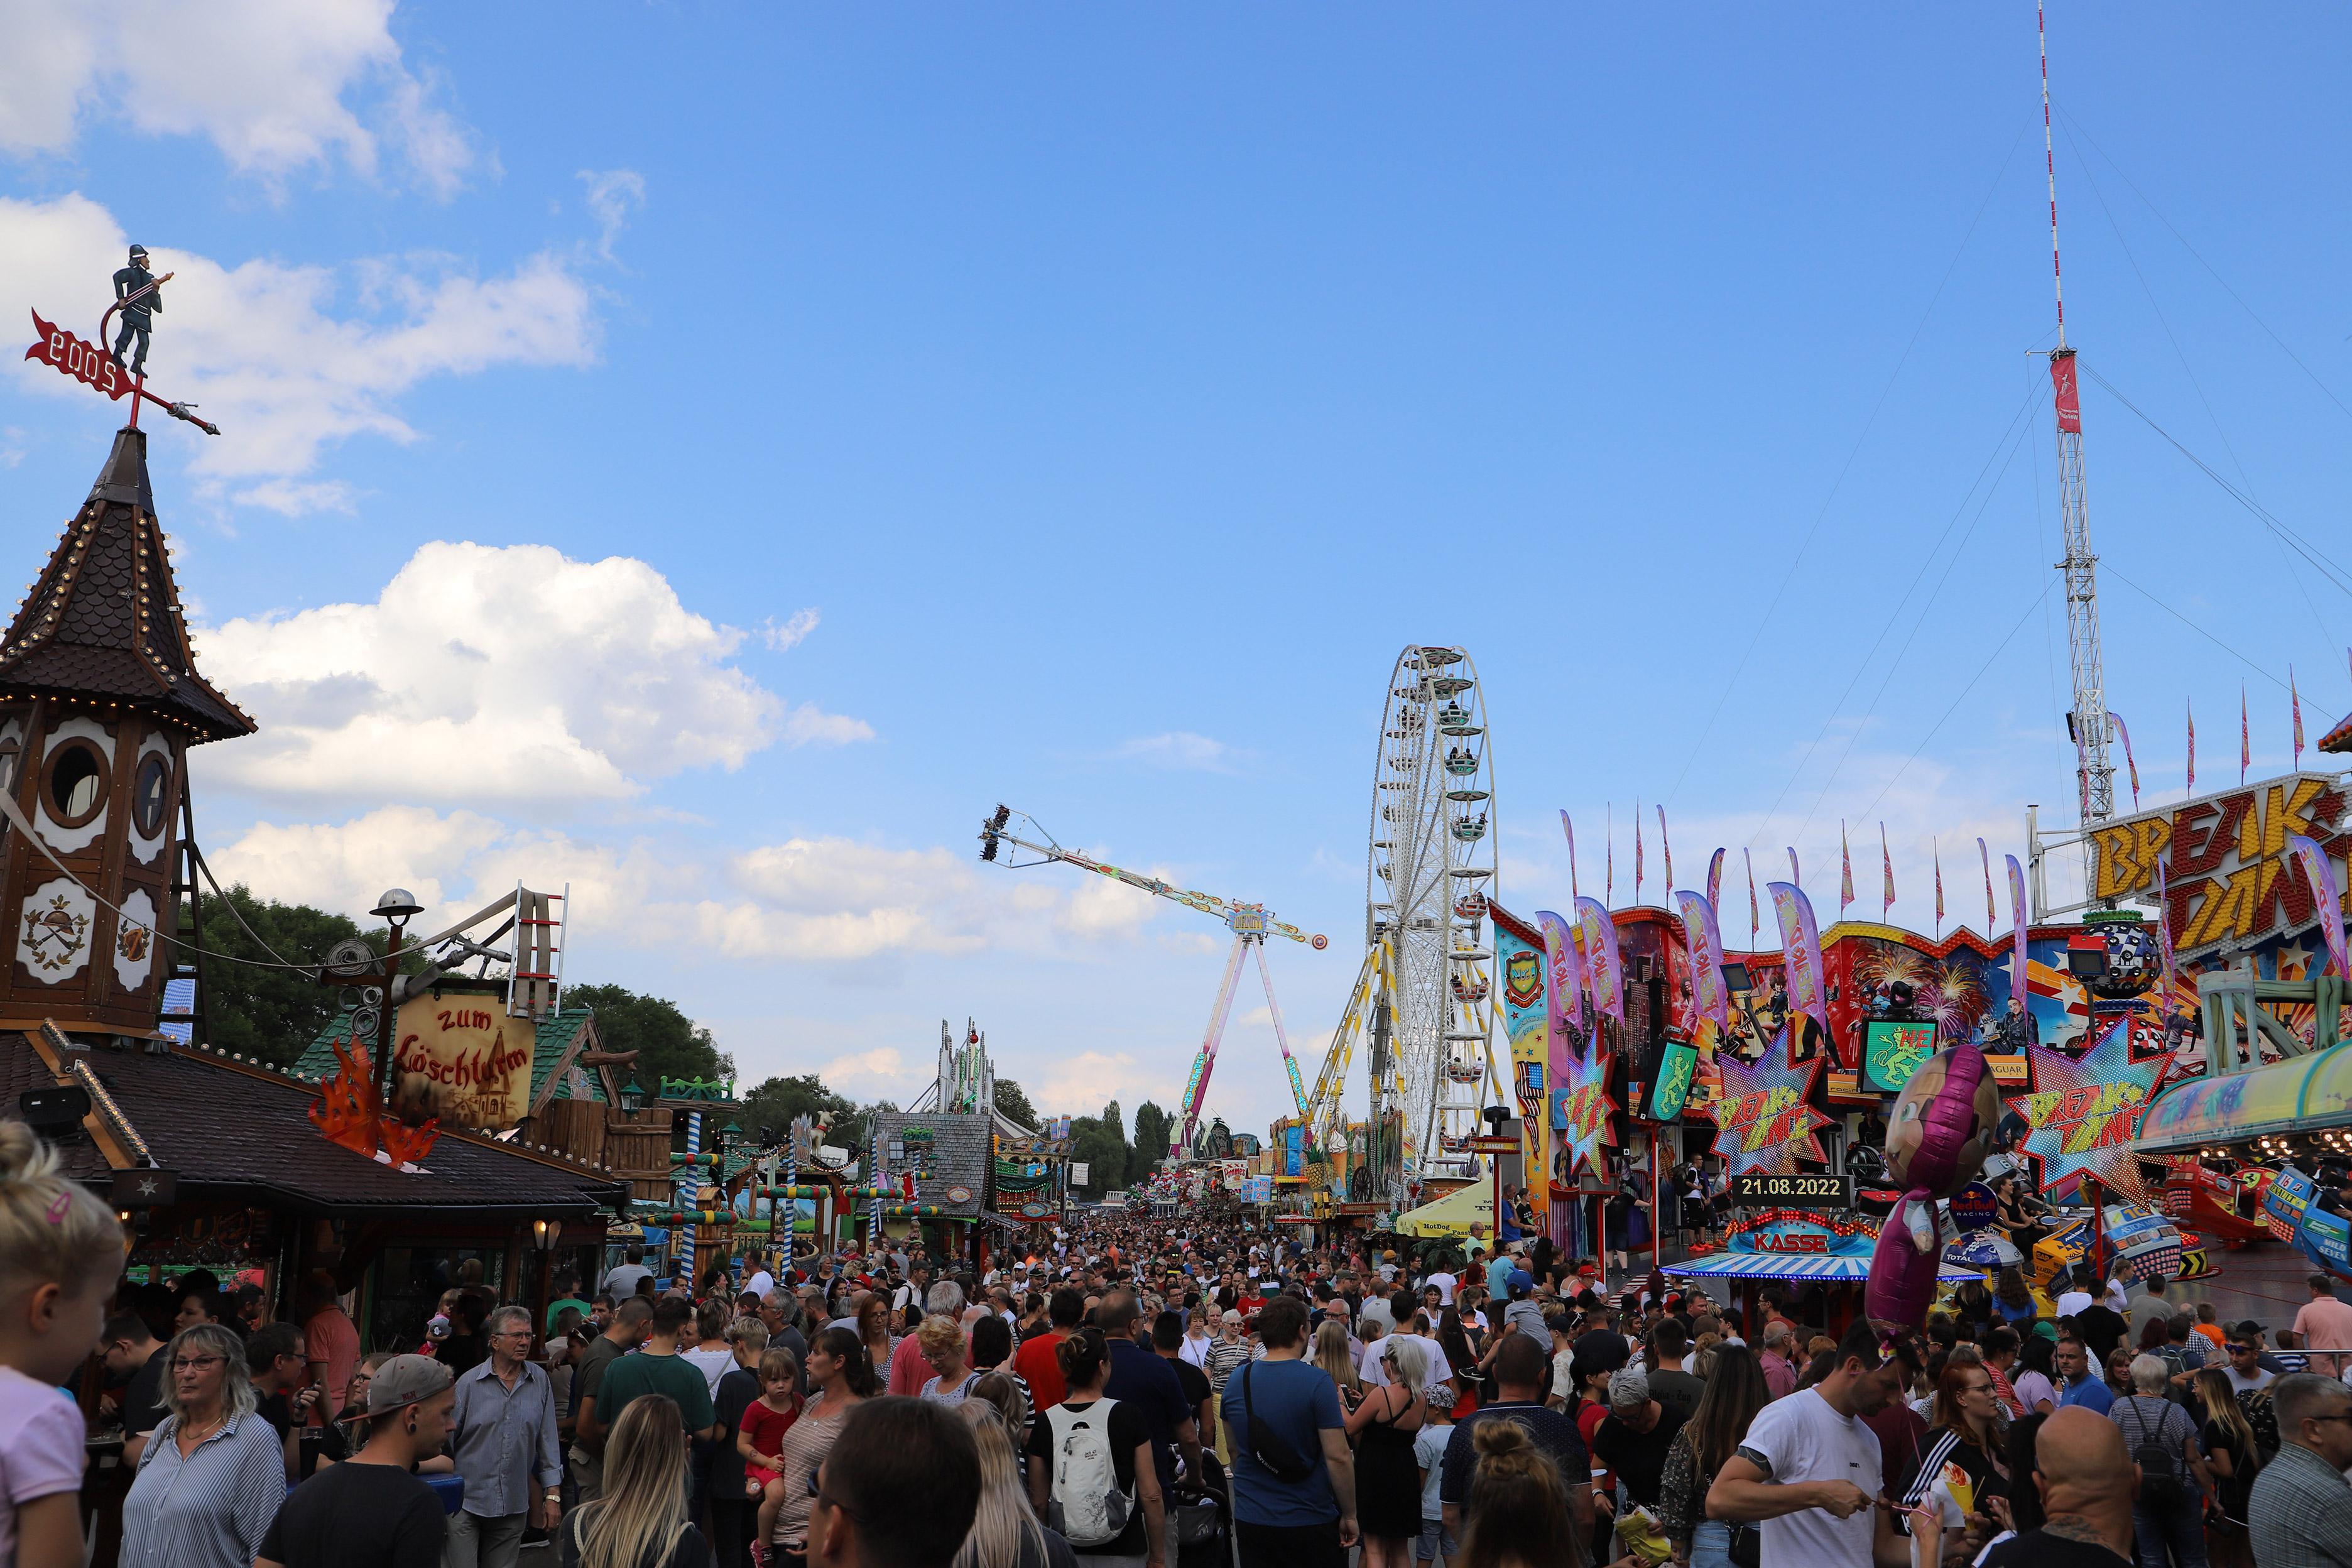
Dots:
{"x": 2163, "y": 929}
{"x": 2306, "y": 853}
{"x": 1666, "y": 848}
{"x": 1992, "y": 919}
{"x": 1714, "y": 879}
{"x": 2129, "y": 765}
{"x": 1936, "y": 849}
{"x": 1755, "y": 922}
{"x": 1569, "y": 828}
{"x": 1795, "y": 876}
{"x": 1602, "y": 968}
{"x": 2192, "y": 746}
{"x": 1845, "y": 874}
{"x": 1886, "y": 866}
{"x": 2245, "y": 736}
{"x": 1609, "y": 859}
{"x": 2017, "y": 963}
{"x": 1637, "y": 854}
{"x": 2294, "y": 703}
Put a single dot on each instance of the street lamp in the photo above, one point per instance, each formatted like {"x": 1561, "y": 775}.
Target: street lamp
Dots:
{"x": 396, "y": 907}
{"x": 544, "y": 1234}
{"x": 633, "y": 1098}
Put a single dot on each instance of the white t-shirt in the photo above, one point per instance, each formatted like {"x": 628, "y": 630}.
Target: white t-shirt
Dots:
{"x": 1803, "y": 1440}
{"x": 712, "y": 1365}
{"x": 1445, "y": 1283}
{"x": 762, "y": 1282}
{"x": 2074, "y": 1302}
{"x": 1375, "y": 1373}
{"x": 1429, "y": 1453}
{"x": 622, "y": 1282}
{"x": 1376, "y": 1310}
{"x": 2242, "y": 1384}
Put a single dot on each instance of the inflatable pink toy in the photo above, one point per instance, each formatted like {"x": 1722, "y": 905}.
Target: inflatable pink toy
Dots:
{"x": 1935, "y": 1143}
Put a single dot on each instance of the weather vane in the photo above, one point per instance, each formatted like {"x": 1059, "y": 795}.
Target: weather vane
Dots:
{"x": 138, "y": 295}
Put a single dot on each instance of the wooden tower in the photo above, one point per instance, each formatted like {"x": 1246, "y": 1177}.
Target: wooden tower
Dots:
{"x": 99, "y": 700}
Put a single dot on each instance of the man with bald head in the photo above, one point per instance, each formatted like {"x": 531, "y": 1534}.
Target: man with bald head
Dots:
{"x": 2301, "y": 1509}
{"x": 2087, "y": 1480}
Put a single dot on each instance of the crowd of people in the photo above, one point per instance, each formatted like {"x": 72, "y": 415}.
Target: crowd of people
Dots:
{"x": 1152, "y": 1393}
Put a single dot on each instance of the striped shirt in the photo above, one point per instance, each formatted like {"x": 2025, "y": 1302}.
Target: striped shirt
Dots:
{"x": 211, "y": 1508}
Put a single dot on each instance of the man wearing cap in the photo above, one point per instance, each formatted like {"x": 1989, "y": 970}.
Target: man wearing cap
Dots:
{"x": 137, "y": 315}
{"x": 371, "y": 1512}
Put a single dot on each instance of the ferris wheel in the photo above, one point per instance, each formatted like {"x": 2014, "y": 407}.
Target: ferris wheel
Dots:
{"x": 1428, "y": 876}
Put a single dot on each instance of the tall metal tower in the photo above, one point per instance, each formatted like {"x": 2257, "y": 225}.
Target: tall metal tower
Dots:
{"x": 2088, "y": 720}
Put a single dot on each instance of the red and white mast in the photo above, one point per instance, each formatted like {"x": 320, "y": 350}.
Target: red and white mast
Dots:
{"x": 2088, "y": 720}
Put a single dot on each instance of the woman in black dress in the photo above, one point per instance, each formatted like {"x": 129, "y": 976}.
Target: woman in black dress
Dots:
{"x": 1388, "y": 1476}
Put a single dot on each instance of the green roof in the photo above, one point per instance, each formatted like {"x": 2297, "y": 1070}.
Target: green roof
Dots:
{"x": 555, "y": 1036}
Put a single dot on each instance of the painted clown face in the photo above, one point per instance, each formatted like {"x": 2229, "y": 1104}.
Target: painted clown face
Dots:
{"x": 1933, "y": 1140}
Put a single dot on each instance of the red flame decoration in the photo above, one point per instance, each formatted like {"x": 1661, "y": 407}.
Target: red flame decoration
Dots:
{"x": 349, "y": 1113}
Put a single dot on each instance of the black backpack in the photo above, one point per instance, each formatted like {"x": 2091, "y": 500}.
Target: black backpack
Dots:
{"x": 2159, "y": 1466}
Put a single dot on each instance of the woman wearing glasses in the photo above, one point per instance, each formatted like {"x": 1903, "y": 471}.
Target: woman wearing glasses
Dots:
{"x": 1963, "y": 1461}
{"x": 211, "y": 1479}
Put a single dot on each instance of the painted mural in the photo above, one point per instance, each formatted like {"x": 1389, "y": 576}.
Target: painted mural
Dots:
{"x": 1520, "y": 959}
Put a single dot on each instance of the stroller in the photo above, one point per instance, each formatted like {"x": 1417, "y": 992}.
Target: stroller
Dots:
{"x": 1201, "y": 1520}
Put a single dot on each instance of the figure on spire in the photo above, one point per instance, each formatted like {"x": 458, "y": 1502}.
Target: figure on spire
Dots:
{"x": 139, "y": 294}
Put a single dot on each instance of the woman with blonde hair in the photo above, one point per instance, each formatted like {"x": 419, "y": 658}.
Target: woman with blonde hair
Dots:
{"x": 211, "y": 1479}
{"x": 1333, "y": 1355}
{"x": 2233, "y": 1455}
{"x": 1004, "y": 1532}
{"x": 1517, "y": 1509}
{"x": 640, "y": 1521}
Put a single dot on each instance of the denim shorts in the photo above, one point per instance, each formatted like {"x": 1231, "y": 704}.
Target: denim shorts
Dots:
{"x": 1435, "y": 1538}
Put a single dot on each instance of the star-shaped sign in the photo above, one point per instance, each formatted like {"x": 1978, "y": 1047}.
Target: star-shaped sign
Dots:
{"x": 1580, "y": 1107}
{"x": 1764, "y": 1120}
{"x": 2083, "y": 1113}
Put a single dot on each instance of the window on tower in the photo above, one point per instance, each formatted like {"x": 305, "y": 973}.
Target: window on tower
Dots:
{"x": 150, "y": 794}
{"x": 76, "y": 783}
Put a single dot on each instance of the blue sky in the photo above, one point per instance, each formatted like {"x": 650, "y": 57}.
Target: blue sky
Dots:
{"x": 711, "y": 454}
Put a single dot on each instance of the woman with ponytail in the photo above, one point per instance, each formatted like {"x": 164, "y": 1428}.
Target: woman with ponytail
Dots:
{"x": 842, "y": 1372}
{"x": 1517, "y": 1510}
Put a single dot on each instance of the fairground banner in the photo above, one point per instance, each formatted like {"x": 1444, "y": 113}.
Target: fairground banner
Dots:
{"x": 462, "y": 1059}
{"x": 1527, "y": 1006}
{"x": 2226, "y": 880}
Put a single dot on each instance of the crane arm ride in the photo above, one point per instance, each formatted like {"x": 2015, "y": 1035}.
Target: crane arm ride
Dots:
{"x": 1250, "y": 923}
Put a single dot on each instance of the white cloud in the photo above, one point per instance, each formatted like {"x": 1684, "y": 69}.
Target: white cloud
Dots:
{"x": 826, "y": 902}
{"x": 787, "y": 635}
{"x": 613, "y": 194}
{"x": 266, "y": 350}
{"x": 1181, "y": 751}
{"x": 490, "y": 675}
{"x": 276, "y": 85}
{"x": 1081, "y": 1085}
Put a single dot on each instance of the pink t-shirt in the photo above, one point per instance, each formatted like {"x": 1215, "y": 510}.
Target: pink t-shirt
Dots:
{"x": 908, "y": 1370}
{"x": 330, "y": 1337}
{"x": 2325, "y": 1324}
{"x": 40, "y": 1448}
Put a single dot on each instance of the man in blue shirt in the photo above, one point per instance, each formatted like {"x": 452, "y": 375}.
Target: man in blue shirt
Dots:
{"x": 1141, "y": 1377}
{"x": 1290, "y": 1409}
{"x": 2078, "y": 1383}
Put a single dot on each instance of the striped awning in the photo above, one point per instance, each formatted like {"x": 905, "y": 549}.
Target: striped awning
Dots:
{"x": 1837, "y": 1268}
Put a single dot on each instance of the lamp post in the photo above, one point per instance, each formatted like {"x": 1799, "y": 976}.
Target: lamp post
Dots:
{"x": 396, "y": 907}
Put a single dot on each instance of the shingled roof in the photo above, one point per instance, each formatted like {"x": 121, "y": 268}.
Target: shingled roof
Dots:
{"x": 103, "y": 623}
{"x": 963, "y": 1148}
{"x": 234, "y": 1129}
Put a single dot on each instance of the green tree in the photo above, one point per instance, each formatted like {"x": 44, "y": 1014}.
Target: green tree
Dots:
{"x": 776, "y": 1101}
{"x": 1100, "y": 1143}
{"x": 1152, "y": 1127}
{"x": 1012, "y": 1101}
{"x": 268, "y": 1012}
{"x": 669, "y": 1044}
